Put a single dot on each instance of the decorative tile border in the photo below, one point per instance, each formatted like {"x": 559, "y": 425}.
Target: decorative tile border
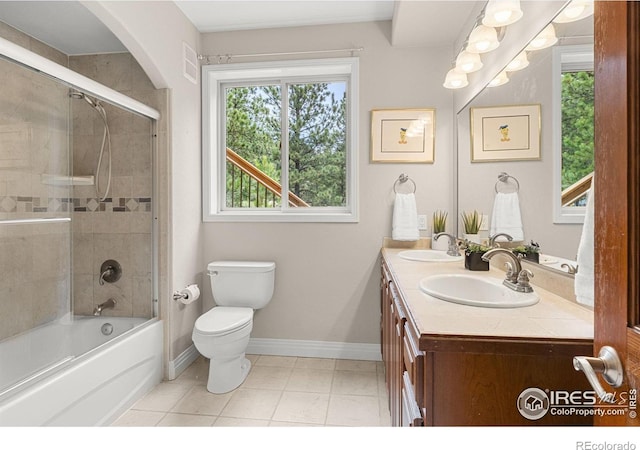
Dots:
{"x": 13, "y": 204}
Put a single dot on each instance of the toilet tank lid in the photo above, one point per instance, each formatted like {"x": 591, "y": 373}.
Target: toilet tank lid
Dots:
{"x": 241, "y": 266}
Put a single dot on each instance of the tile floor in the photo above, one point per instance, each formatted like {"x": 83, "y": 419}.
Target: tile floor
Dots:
{"x": 279, "y": 391}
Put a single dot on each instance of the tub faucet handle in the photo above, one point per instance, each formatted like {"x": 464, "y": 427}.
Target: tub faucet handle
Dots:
{"x": 110, "y": 271}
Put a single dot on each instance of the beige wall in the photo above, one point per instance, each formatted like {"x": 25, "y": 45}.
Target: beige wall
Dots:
{"x": 327, "y": 275}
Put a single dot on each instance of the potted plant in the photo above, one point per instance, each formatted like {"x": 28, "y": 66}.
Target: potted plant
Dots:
{"x": 439, "y": 223}
{"x": 471, "y": 222}
{"x": 473, "y": 256}
{"x": 529, "y": 252}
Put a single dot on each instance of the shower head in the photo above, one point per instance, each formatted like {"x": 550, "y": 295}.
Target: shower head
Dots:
{"x": 78, "y": 95}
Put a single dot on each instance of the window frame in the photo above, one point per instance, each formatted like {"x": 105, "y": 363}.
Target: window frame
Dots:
{"x": 566, "y": 58}
{"x": 214, "y": 79}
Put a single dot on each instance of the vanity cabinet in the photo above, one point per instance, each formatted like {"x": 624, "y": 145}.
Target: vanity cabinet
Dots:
{"x": 458, "y": 380}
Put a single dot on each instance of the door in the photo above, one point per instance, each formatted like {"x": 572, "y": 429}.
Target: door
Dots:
{"x": 617, "y": 193}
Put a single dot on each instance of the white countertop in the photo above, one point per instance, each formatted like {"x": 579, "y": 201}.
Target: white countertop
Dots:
{"x": 553, "y": 317}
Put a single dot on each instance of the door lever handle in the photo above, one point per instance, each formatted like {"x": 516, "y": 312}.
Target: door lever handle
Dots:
{"x": 608, "y": 364}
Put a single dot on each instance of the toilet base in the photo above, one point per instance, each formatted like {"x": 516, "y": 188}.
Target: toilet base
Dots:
{"x": 226, "y": 375}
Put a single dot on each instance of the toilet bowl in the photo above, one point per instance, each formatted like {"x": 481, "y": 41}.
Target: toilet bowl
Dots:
{"x": 222, "y": 333}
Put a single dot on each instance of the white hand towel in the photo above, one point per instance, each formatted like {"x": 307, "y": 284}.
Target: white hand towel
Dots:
{"x": 584, "y": 277}
{"x": 506, "y": 216}
{"x": 405, "y": 218}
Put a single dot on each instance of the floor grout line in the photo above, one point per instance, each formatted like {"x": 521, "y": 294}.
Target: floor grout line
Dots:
{"x": 199, "y": 369}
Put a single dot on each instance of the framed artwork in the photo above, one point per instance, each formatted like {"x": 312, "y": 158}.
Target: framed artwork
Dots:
{"x": 403, "y": 135}
{"x": 502, "y": 133}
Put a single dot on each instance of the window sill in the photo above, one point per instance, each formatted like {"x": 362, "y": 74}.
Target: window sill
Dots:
{"x": 308, "y": 217}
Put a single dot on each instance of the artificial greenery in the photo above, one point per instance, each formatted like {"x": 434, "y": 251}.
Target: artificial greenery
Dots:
{"x": 472, "y": 247}
{"x": 439, "y": 221}
{"x": 471, "y": 221}
{"x": 533, "y": 247}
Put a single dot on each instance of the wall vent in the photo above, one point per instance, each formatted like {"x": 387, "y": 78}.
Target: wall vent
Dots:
{"x": 190, "y": 64}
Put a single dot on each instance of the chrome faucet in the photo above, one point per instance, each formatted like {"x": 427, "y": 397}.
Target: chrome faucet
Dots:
{"x": 492, "y": 239}
{"x": 111, "y": 303}
{"x": 453, "y": 243}
{"x": 517, "y": 278}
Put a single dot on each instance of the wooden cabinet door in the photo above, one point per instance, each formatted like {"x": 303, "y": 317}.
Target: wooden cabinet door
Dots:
{"x": 617, "y": 192}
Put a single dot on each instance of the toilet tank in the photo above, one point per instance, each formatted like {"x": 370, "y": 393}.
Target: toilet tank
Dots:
{"x": 242, "y": 283}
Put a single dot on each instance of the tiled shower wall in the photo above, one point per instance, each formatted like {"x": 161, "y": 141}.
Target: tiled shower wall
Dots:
{"x": 46, "y": 268}
{"x": 35, "y": 256}
{"x": 119, "y": 227}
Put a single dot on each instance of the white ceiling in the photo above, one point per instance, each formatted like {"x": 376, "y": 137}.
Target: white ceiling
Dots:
{"x": 69, "y": 27}
{"x": 224, "y": 15}
{"x": 64, "y": 25}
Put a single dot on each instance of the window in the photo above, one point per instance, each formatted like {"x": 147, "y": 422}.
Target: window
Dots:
{"x": 573, "y": 109}
{"x": 280, "y": 141}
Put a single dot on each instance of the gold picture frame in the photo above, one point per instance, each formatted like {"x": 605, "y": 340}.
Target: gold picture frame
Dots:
{"x": 505, "y": 133}
{"x": 403, "y": 135}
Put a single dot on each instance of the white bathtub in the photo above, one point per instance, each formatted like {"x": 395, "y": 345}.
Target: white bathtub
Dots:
{"x": 76, "y": 375}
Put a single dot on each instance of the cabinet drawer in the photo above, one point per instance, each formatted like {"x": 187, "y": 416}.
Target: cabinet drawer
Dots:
{"x": 411, "y": 416}
{"x": 413, "y": 359}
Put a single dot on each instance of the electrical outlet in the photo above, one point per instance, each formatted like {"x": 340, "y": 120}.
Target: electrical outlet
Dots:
{"x": 422, "y": 222}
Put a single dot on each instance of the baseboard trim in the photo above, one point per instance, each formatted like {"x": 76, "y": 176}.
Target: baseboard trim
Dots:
{"x": 184, "y": 360}
{"x": 314, "y": 349}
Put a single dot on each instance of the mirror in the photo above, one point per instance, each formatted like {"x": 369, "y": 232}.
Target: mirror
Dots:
{"x": 531, "y": 175}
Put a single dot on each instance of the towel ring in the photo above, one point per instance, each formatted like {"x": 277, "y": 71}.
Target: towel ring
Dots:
{"x": 504, "y": 178}
{"x": 403, "y": 178}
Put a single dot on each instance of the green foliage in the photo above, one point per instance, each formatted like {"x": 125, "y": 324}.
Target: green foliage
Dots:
{"x": 316, "y": 140}
{"x": 472, "y": 247}
{"x": 439, "y": 221}
{"x": 533, "y": 247}
{"x": 577, "y": 126}
{"x": 471, "y": 222}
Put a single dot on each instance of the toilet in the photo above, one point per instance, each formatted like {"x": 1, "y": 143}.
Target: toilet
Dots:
{"x": 222, "y": 333}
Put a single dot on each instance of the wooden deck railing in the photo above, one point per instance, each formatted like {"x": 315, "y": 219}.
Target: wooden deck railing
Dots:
{"x": 578, "y": 189}
{"x": 255, "y": 188}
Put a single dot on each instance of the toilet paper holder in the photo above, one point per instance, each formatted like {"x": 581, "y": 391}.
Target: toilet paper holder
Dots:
{"x": 177, "y": 295}
{"x": 187, "y": 295}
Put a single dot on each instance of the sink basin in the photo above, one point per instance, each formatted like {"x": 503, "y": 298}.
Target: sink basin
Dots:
{"x": 487, "y": 292}
{"x": 429, "y": 256}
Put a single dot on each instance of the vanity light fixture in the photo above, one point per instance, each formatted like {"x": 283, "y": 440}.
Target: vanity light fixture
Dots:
{"x": 499, "y": 80}
{"x": 575, "y": 10}
{"x": 499, "y": 13}
{"x": 482, "y": 39}
{"x": 546, "y": 38}
{"x": 518, "y": 63}
{"x": 468, "y": 62}
{"x": 455, "y": 80}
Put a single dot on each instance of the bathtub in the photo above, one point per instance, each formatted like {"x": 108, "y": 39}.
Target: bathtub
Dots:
{"x": 82, "y": 373}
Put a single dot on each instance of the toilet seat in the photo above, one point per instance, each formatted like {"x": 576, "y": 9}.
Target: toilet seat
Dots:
{"x": 223, "y": 320}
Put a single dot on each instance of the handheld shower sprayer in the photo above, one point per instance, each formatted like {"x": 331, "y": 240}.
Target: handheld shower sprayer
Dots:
{"x": 106, "y": 140}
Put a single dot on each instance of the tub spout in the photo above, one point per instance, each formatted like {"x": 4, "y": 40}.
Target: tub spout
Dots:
{"x": 111, "y": 303}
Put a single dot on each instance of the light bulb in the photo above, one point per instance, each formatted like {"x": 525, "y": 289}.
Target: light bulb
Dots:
{"x": 500, "y": 13}
{"x": 468, "y": 62}
{"x": 482, "y": 39}
{"x": 455, "y": 80}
